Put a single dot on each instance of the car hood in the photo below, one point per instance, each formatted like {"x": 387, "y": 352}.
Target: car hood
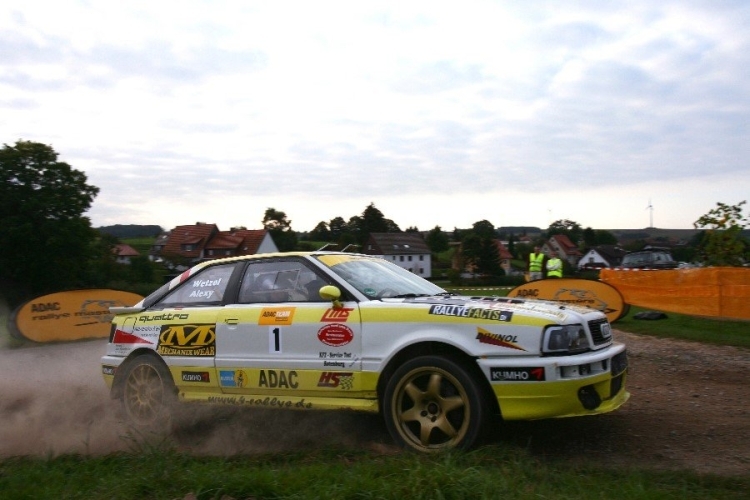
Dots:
{"x": 553, "y": 311}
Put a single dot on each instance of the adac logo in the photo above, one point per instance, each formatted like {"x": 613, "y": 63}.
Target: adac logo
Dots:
{"x": 509, "y": 341}
{"x": 276, "y": 316}
{"x": 187, "y": 340}
{"x": 340, "y": 314}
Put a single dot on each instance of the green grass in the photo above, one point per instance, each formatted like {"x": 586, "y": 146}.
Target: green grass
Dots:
{"x": 491, "y": 472}
{"x": 685, "y": 327}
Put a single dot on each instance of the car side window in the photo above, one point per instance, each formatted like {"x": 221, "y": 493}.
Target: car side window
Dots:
{"x": 280, "y": 281}
{"x": 207, "y": 287}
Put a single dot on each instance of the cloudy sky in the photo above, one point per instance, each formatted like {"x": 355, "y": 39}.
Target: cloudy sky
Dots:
{"x": 439, "y": 113}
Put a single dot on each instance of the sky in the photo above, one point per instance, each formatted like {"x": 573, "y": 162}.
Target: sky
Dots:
{"x": 615, "y": 115}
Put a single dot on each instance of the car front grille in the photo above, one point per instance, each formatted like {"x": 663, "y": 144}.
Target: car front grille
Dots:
{"x": 601, "y": 331}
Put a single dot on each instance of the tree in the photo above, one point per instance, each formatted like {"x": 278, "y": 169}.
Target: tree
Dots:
{"x": 480, "y": 249}
{"x": 722, "y": 243}
{"x": 437, "y": 240}
{"x": 46, "y": 244}
{"x": 569, "y": 228}
{"x": 338, "y": 227}
{"x": 276, "y": 223}
{"x": 372, "y": 220}
{"x": 320, "y": 232}
{"x": 593, "y": 238}
{"x": 484, "y": 229}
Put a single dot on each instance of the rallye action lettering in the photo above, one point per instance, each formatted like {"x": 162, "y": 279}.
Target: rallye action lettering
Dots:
{"x": 471, "y": 312}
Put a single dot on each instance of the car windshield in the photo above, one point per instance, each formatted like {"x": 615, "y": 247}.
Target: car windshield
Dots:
{"x": 377, "y": 278}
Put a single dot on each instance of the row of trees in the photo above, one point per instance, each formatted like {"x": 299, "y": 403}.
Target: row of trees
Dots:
{"x": 47, "y": 244}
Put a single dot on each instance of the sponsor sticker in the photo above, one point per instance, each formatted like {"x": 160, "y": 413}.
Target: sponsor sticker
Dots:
{"x": 509, "y": 341}
{"x": 196, "y": 377}
{"x": 517, "y": 374}
{"x": 233, "y": 378}
{"x": 344, "y": 380}
{"x": 340, "y": 314}
{"x": 335, "y": 335}
{"x": 480, "y": 313}
{"x": 276, "y": 316}
{"x": 187, "y": 340}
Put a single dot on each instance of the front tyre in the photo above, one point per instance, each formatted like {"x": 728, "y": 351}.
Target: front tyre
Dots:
{"x": 432, "y": 403}
{"x": 148, "y": 393}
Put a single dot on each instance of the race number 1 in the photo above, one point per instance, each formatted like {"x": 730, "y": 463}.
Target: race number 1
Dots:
{"x": 274, "y": 339}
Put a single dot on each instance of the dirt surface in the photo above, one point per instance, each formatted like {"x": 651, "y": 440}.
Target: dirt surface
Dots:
{"x": 688, "y": 410}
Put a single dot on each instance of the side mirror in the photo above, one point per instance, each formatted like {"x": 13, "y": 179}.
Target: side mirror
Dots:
{"x": 330, "y": 292}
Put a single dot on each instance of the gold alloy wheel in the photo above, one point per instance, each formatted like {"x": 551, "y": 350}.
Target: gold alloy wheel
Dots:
{"x": 145, "y": 394}
{"x": 431, "y": 409}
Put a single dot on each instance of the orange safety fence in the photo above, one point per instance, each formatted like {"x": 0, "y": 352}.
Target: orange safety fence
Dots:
{"x": 714, "y": 291}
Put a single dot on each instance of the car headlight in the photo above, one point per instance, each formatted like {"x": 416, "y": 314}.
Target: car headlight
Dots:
{"x": 565, "y": 339}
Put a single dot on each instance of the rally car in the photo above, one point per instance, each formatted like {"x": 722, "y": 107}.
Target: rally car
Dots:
{"x": 326, "y": 330}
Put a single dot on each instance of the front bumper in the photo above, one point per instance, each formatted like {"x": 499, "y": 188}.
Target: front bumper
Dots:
{"x": 561, "y": 386}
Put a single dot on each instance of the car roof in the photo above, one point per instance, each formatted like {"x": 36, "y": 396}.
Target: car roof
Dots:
{"x": 270, "y": 255}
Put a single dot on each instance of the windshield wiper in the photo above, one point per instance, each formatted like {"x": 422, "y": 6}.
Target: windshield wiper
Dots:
{"x": 410, "y": 295}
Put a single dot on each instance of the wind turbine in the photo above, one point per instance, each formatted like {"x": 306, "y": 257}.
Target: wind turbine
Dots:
{"x": 650, "y": 208}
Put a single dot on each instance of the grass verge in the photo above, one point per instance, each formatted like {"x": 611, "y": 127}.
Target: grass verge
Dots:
{"x": 491, "y": 472}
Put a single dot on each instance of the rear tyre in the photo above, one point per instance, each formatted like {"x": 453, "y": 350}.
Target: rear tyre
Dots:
{"x": 148, "y": 393}
{"x": 432, "y": 403}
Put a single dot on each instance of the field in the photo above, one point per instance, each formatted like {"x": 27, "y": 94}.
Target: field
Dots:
{"x": 682, "y": 435}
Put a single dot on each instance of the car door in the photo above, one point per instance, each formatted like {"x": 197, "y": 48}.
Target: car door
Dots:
{"x": 282, "y": 338}
{"x": 182, "y": 325}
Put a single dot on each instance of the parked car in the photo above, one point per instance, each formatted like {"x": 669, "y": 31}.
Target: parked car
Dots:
{"x": 339, "y": 331}
{"x": 649, "y": 258}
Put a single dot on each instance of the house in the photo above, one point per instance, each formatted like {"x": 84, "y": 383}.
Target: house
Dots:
{"x": 239, "y": 241}
{"x": 407, "y": 250}
{"x": 602, "y": 256}
{"x": 124, "y": 253}
{"x": 565, "y": 248}
{"x": 186, "y": 245}
{"x": 154, "y": 254}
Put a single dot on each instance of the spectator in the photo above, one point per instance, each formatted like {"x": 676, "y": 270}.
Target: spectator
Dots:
{"x": 554, "y": 266}
{"x": 535, "y": 265}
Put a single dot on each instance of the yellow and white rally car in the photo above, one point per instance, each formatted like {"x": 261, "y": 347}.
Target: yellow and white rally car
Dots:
{"x": 324, "y": 330}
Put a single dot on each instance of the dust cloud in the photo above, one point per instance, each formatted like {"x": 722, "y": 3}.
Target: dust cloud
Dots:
{"x": 53, "y": 401}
